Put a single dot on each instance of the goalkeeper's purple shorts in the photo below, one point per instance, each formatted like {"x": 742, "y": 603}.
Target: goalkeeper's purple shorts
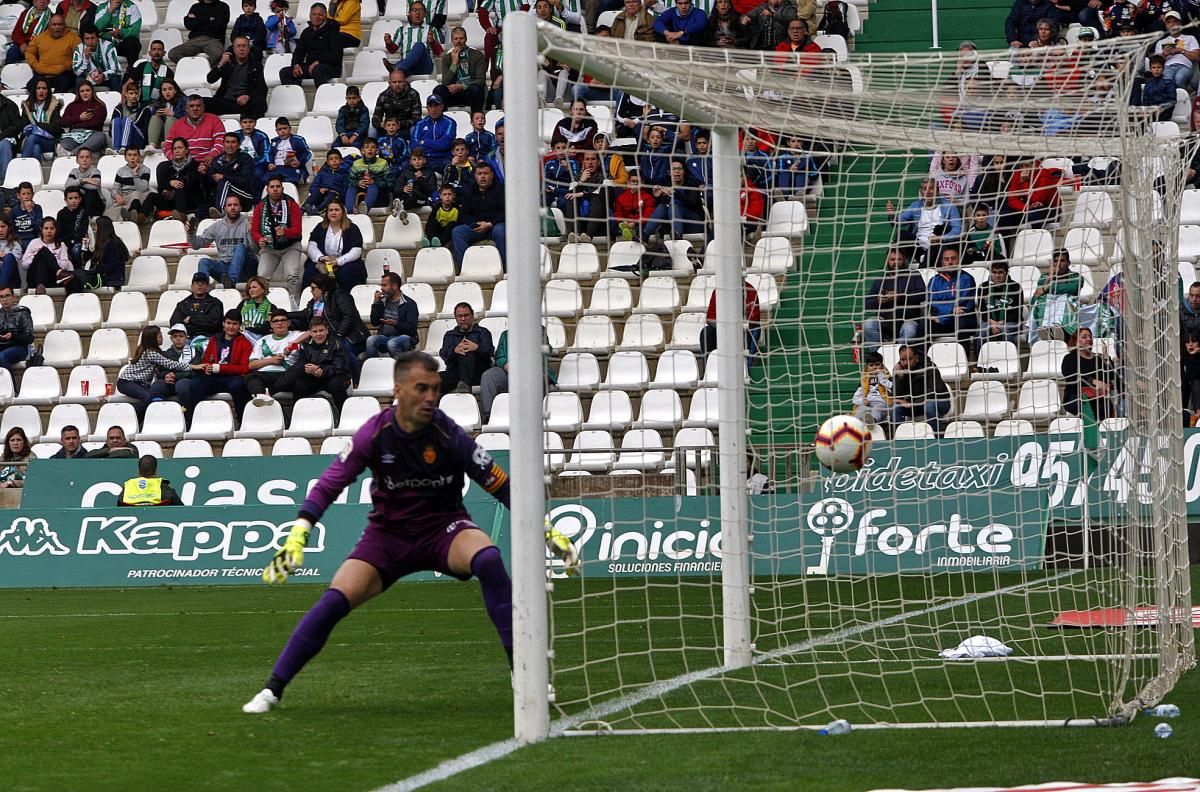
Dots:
{"x": 395, "y": 555}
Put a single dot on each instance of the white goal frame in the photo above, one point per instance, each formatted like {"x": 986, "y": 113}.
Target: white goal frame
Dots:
{"x": 525, "y": 41}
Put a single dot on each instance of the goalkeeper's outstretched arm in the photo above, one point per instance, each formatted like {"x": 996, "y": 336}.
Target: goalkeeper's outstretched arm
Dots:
{"x": 340, "y": 474}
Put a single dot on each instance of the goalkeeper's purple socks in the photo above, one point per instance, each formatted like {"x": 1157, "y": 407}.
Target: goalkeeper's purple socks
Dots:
{"x": 309, "y": 637}
{"x": 488, "y": 566}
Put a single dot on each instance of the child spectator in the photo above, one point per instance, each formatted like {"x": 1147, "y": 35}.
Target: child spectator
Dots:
{"x": 459, "y": 172}
{"x": 1000, "y": 304}
{"x": 86, "y": 176}
{"x": 480, "y": 143}
{"x": 699, "y": 165}
{"x": 353, "y": 120}
{"x": 557, "y": 175}
{"x": 632, "y": 208}
{"x": 255, "y": 143}
{"x": 289, "y": 154}
{"x": 130, "y": 190}
{"x": 981, "y": 242}
{"x": 612, "y": 164}
{"x": 654, "y": 160}
{"x": 131, "y": 119}
{"x": 755, "y": 160}
{"x": 26, "y": 215}
{"x": 416, "y": 186}
{"x": 73, "y": 224}
{"x": 1156, "y": 91}
{"x": 370, "y": 178}
{"x": 170, "y": 106}
{"x": 442, "y": 219}
{"x": 330, "y": 184}
{"x": 281, "y": 30}
{"x": 392, "y": 145}
{"x": 251, "y": 25}
{"x": 793, "y": 172}
{"x": 873, "y": 399}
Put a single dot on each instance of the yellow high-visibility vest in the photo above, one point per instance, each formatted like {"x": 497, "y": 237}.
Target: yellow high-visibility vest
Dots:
{"x": 143, "y": 491}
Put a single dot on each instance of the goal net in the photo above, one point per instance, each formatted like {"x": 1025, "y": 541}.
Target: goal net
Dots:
{"x": 1014, "y": 550}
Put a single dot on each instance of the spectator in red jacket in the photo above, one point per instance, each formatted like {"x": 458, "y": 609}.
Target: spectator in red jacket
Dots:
{"x": 1031, "y": 197}
{"x": 753, "y": 202}
{"x": 708, "y": 337}
{"x": 632, "y": 209}
{"x": 226, "y": 361}
{"x": 275, "y": 230}
{"x": 33, "y": 20}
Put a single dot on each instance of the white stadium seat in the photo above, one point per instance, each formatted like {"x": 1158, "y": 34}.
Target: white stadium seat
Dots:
{"x": 311, "y": 418}
{"x": 81, "y": 311}
{"x": 292, "y": 446}
{"x": 66, "y": 415}
{"x": 610, "y": 297}
{"x": 62, "y": 349}
{"x": 261, "y": 422}
{"x": 192, "y": 449}
{"x": 627, "y": 370}
{"x": 579, "y": 371}
{"x": 163, "y": 422}
{"x": 120, "y": 414}
{"x": 212, "y": 420}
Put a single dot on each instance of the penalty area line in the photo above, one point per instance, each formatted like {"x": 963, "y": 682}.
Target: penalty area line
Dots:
{"x": 568, "y": 725}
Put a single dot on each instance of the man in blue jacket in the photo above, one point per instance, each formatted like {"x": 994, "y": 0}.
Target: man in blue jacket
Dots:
{"x": 683, "y": 24}
{"x": 435, "y": 133}
{"x": 895, "y": 304}
{"x": 952, "y": 302}
{"x": 926, "y": 224}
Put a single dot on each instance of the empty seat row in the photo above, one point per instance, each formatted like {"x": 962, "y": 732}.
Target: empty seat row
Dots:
{"x": 214, "y": 420}
{"x": 997, "y": 360}
{"x": 594, "y": 450}
{"x": 965, "y": 429}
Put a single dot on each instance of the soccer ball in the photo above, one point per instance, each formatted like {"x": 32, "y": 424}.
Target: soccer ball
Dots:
{"x": 843, "y": 443}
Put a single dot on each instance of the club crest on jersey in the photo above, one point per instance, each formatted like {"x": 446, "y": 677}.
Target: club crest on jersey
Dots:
{"x": 429, "y": 455}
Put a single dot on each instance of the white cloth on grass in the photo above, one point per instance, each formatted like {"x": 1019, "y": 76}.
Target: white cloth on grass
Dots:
{"x": 977, "y": 646}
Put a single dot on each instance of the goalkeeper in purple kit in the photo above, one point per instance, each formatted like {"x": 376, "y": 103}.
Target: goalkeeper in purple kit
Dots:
{"x": 417, "y": 456}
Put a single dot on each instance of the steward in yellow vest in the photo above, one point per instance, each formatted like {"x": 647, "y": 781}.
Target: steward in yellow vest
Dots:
{"x": 147, "y": 488}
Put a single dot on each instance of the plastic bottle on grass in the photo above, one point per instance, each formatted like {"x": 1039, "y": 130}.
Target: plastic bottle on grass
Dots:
{"x": 1163, "y": 731}
{"x": 1163, "y": 711}
{"x": 839, "y": 726}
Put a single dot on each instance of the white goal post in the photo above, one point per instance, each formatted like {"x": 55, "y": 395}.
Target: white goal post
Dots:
{"x": 794, "y": 648}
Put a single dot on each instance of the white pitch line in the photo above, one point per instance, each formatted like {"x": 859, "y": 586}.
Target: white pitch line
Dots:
{"x": 499, "y": 750}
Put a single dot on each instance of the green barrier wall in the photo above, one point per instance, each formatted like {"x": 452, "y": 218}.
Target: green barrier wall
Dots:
{"x": 918, "y": 507}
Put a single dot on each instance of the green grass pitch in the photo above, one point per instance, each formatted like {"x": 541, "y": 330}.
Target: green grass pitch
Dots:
{"x": 141, "y": 689}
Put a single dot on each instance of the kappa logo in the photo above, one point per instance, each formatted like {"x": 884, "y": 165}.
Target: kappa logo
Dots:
{"x": 387, "y": 459}
{"x": 30, "y": 537}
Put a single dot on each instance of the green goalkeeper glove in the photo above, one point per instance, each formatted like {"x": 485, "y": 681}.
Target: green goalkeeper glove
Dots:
{"x": 561, "y": 546}
{"x": 290, "y": 556}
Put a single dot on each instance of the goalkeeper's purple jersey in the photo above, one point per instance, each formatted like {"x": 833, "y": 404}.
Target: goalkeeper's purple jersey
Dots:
{"x": 418, "y": 477}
